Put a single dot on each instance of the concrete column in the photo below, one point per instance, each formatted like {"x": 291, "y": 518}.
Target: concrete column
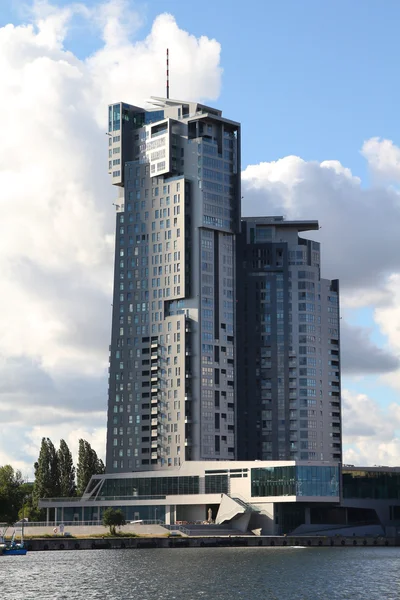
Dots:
{"x": 47, "y": 515}
{"x": 307, "y": 516}
{"x": 62, "y": 514}
{"x": 55, "y": 514}
{"x": 168, "y": 514}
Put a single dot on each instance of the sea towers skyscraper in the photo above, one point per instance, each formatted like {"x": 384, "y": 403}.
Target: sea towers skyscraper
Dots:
{"x": 172, "y": 376}
{"x": 288, "y": 368}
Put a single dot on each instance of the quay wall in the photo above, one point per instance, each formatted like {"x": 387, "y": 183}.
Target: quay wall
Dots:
{"x": 63, "y": 544}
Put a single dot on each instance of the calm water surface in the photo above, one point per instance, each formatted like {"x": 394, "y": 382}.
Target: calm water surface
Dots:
{"x": 204, "y": 573}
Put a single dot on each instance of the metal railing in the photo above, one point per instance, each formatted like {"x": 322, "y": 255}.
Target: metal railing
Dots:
{"x": 100, "y": 498}
{"x": 56, "y": 523}
{"x": 65, "y": 499}
{"x": 177, "y": 528}
{"x": 84, "y": 523}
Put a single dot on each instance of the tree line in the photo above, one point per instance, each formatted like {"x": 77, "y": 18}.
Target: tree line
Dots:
{"x": 55, "y": 477}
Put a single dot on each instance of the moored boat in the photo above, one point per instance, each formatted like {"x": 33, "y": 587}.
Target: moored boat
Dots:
{"x": 12, "y": 548}
{"x": 15, "y": 550}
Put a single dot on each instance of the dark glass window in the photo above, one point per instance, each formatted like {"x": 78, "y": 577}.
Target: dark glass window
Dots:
{"x": 150, "y": 486}
{"x": 295, "y": 481}
{"x": 216, "y": 484}
{"x": 377, "y": 485}
{"x": 116, "y": 117}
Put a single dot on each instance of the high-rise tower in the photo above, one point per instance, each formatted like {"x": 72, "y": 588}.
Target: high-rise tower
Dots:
{"x": 172, "y": 382}
{"x": 289, "y": 405}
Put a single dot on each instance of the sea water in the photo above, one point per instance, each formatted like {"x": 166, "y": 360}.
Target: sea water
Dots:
{"x": 204, "y": 573}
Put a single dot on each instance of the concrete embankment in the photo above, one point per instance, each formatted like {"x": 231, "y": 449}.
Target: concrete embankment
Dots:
{"x": 47, "y": 544}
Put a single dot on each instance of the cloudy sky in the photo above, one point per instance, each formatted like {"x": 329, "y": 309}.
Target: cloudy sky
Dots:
{"x": 318, "y": 100}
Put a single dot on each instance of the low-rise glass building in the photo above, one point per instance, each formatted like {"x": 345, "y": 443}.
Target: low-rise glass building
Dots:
{"x": 275, "y": 497}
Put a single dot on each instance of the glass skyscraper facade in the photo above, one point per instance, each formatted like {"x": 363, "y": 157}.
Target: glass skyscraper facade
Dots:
{"x": 172, "y": 381}
{"x": 289, "y": 405}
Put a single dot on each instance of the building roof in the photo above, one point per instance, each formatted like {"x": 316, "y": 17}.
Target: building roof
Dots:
{"x": 159, "y": 101}
{"x": 278, "y": 221}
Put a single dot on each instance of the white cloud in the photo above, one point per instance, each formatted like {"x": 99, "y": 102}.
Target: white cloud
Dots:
{"x": 117, "y": 22}
{"x": 57, "y": 225}
{"x": 372, "y": 359}
{"x": 388, "y": 316}
{"x": 383, "y": 158}
{"x": 371, "y": 432}
{"x": 351, "y": 217}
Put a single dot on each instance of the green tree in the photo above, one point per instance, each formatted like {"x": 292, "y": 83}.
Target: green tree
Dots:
{"x": 28, "y": 510}
{"x": 113, "y": 518}
{"x": 54, "y": 470}
{"x": 100, "y": 468}
{"x": 47, "y": 473}
{"x": 88, "y": 464}
{"x": 66, "y": 471}
{"x": 11, "y": 494}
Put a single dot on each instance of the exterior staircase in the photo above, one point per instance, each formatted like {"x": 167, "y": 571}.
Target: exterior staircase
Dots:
{"x": 246, "y": 505}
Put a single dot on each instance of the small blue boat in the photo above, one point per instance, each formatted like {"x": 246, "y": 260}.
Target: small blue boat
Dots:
{"x": 15, "y": 550}
{"x": 12, "y": 548}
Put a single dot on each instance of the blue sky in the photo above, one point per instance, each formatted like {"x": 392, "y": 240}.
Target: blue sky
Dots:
{"x": 309, "y": 78}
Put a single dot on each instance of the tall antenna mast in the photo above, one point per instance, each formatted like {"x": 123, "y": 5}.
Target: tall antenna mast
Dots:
{"x": 167, "y": 73}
